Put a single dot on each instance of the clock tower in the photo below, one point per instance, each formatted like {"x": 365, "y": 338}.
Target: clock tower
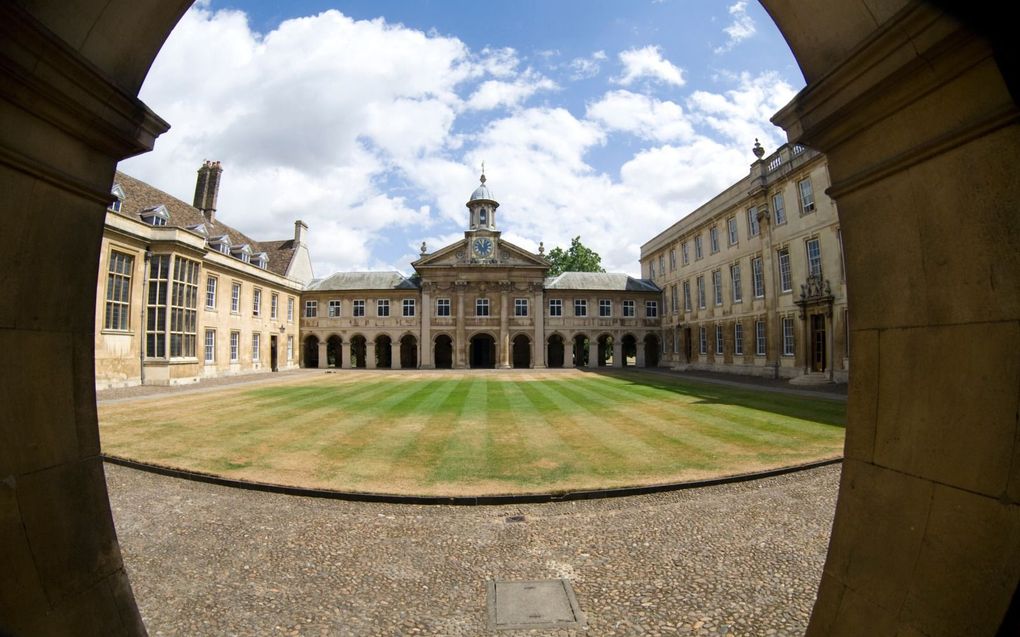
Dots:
{"x": 482, "y": 236}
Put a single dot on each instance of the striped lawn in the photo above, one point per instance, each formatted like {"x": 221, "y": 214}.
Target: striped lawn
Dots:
{"x": 475, "y": 433}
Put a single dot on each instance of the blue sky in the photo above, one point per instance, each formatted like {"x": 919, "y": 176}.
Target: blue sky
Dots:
{"x": 369, "y": 120}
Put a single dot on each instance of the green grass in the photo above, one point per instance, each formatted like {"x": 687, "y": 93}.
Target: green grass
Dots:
{"x": 475, "y": 433}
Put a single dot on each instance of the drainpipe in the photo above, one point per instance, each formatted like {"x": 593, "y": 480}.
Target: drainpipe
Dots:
{"x": 141, "y": 322}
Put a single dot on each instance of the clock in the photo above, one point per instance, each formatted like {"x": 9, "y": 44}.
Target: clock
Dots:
{"x": 482, "y": 247}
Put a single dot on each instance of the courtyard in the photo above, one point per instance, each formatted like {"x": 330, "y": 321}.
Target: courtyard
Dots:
{"x": 471, "y": 433}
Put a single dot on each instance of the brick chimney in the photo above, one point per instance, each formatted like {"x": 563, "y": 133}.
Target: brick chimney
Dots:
{"x": 300, "y": 229}
{"x": 207, "y": 188}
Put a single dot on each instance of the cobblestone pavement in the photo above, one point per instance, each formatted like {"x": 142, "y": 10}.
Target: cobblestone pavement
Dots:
{"x": 741, "y": 559}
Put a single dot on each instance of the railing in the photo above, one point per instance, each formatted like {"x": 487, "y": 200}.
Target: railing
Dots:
{"x": 776, "y": 162}
{"x": 798, "y": 149}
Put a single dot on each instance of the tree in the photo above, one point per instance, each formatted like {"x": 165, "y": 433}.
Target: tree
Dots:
{"x": 577, "y": 258}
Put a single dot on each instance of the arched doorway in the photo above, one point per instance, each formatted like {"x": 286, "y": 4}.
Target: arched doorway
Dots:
{"x": 580, "y": 350}
{"x": 311, "y": 357}
{"x": 334, "y": 351}
{"x": 383, "y": 351}
{"x": 408, "y": 352}
{"x": 522, "y": 351}
{"x": 892, "y": 503}
{"x": 554, "y": 353}
{"x": 358, "y": 348}
{"x": 605, "y": 350}
{"x": 628, "y": 350}
{"x": 482, "y": 351}
{"x": 443, "y": 354}
{"x": 651, "y": 350}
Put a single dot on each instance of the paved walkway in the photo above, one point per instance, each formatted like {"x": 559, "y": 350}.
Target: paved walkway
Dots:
{"x": 741, "y": 559}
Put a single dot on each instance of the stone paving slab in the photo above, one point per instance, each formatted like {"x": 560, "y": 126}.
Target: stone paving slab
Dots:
{"x": 741, "y": 559}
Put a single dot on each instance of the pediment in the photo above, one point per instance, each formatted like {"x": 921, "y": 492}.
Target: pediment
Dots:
{"x": 457, "y": 254}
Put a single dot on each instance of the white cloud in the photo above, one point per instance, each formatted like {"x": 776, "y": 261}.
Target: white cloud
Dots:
{"x": 496, "y": 93}
{"x": 582, "y": 68}
{"x": 740, "y": 29}
{"x": 742, "y": 114}
{"x": 641, "y": 115}
{"x": 647, "y": 62}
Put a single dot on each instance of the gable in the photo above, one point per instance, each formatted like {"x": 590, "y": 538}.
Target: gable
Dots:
{"x": 456, "y": 254}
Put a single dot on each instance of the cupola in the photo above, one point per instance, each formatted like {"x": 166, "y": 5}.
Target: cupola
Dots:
{"x": 482, "y": 207}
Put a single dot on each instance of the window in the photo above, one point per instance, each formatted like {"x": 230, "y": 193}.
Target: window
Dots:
{"x": 759, "y": 338}
{"x": 752, "y": 222}
{"x": 235, "y": 298}
{"x": 787, "y": 336}
{"x": 274, "y": 305}
{"x": 290, "y": 309}
{"x": 311, "y": 309}
{"x": 290, "y": 348}
{"x": 814, "y": 258}
{"x": 779, "y": 208}
{"x": 672, "y": 259}
{"x": 731, "y": 228}
{"x": 184, "y": 308}
{"x": 256, "y": 302}
{"x": 785, "y": 278}
{"x": 738, "y": 291}
{"x": 717, "y": 286}
{"x": 651, "y": 269}
{"x": 758, "y": 278}
{"x": 687, "y": 296}
{"x": 481, "y": 307}
{"x": 702, "y": 341}
{"x": 520, "y": 307}
{"x": 674, "y": 302}
{"x": 210, "y": 293}
{"x": 807, "y": 196}
{"x": 697, "y": 247}
{"x": 685, "y": 253}
{"x": 382, "y": 307}
{"x": 713, "y": 237}
{"x": 701, "y": 292}
{"x": 407, "y": 307}
{"x": 580, "y": 307}
{"x": 210, "y": 346}
{"x": 605, "y": 307}
{"x": 442, "y": 307}
{"x": 235, "y": 346}
{"x": 256, "y": 347}
{"x": 483, "y": 217}
{"x": 628, "y": 308}
{"x": 651, "y": 309}
{"x": 333, "y": 308}
{"x": 118, "y": 291}
{"x": 719, "y": 340}
{"x": 738, "y": 338}
{"x": 155, "y": 308}
{"x": 358, "y": 308}
{"x": 662, "y": 264}
{"x": 555, "y": 307}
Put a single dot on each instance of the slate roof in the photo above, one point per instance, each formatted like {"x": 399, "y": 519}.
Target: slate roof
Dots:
{"x": 613, "y": 281}
{"x": 139, "y": 196}
{"x": 363, "y": 281}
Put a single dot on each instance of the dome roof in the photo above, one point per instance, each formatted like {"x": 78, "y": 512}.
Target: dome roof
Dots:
{"x": 482, "y": 192}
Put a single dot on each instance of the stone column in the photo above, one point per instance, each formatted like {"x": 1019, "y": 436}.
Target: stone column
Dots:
{"x": 394, "y": 354}
{"x": 425, "y": 336}
{"x": 617, "y": 351}
{"x": 345, "y": 354}
{"x": 504, "y": 324}
{"x": 541, "y": 349}
{"x": 369, "y": 354}
{"x": 323, "y": 355}
{"x": 593, "y": 353}
{"x": 830, "y": 356}
{"x": 640, "y": 353}
{"x": 459, "y": 344}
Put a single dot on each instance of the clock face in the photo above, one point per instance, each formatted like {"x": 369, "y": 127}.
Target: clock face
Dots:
{"x": 483, "y": 247}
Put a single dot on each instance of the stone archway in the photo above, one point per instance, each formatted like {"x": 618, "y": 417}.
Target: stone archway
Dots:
{"x": 334, "y": 351}
{"x": 310, "y": 358}
{"x": 482, "y": 351}
{"x": 521, "y": 351}
{"x": 605, "y": 350}
{"x": 359, "y": 352}
{"x": 383, "y": 352}
{"x": 443, "y": 355}
{"x": 579, "y": 350}
{"x": 555, "y": 353}
{"x": 408, "y": 352}
{"x": 928, "y": 495}
{"x": 651, "y": 350}
{"x": 628, "y": 350}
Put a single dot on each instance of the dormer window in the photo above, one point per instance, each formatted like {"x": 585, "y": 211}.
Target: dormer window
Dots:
{"x": 261, "y": 260}
{"x": 117, "y": 192}
{"x": 200, "y": 229}
{"x": 220, "y": 244}
{"x": 242, "y": 252}
{"x": 155, "y": 215}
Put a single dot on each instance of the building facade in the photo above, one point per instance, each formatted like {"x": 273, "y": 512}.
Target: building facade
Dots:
{"x": 480, "y": 302}
{"x": 183, "y": 296}
{"x": 753, "y": 281}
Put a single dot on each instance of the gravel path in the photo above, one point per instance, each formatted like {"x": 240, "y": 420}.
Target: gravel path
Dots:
{"x": 742, "y": 559}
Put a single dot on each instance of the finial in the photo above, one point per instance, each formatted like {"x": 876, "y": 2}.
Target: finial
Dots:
{"x": 759, "y": 152}
{"x": 541, "y": 248}
{"x": 423, "y": 247}
{"x": 483, "y": 172}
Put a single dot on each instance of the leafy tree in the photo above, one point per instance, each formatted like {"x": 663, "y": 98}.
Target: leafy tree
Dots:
{"x": 577, "y": 258}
